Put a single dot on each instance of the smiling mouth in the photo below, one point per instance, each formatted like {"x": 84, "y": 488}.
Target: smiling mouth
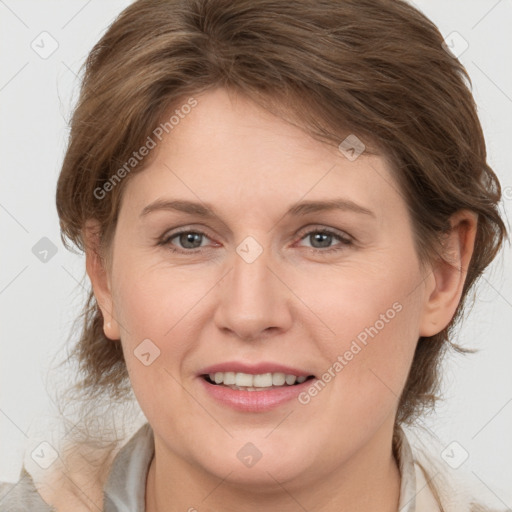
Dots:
{"x": 260, "y": 382}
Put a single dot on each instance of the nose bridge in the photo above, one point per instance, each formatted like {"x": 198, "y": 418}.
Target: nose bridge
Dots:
{"x": 252, "y": 300}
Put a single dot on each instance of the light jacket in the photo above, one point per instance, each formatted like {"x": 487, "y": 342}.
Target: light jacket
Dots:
{"x": 125, "y": 487}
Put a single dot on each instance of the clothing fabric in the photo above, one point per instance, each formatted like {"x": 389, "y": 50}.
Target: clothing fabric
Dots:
{"x": 125, "y": 488}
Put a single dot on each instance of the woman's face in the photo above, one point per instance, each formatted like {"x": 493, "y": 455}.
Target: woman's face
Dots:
{"x": 255, "y": 288}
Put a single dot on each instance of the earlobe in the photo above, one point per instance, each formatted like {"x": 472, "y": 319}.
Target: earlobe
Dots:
{"x": 448, "y": 274}
{"x": 97, "y": 272}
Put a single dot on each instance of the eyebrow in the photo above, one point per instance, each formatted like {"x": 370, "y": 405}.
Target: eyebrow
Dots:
{"x": 298, "y": 209}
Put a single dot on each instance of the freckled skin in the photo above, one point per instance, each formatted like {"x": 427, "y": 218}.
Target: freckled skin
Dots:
{"x": 290, "y": 305}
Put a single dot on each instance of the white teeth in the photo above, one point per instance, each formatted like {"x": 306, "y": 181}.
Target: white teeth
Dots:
{"x": 229, "y": 378}
{"x": 254, "y": 382}
{"x": 278, "y": 379}
{"x": 262, "y": 381}
{"x": 290, "y": 379}
{"x": 244, "y": 379}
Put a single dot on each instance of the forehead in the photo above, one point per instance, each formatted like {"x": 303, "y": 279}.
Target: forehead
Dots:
{"x": 228, "y": 149}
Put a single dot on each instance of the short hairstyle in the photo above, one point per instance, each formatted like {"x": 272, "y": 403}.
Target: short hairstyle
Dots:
{"x": 374, "y": 68}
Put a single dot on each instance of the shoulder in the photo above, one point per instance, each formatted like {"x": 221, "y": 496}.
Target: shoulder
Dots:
{"x": 76, "y": 485}
{"x": 22, "y": 496}
{"x": 436, "y": 492}
{"x": 125, "y": 488}
{"x": 452, "y": 489}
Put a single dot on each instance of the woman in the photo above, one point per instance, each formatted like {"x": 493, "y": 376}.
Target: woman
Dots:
{"x": 283, "y": 207}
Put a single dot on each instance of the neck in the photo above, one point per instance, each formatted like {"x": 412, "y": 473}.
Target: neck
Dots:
{"x": 369, "y": 481}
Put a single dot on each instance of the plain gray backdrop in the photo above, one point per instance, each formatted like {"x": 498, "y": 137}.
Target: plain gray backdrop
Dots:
{"x": 43, "y": 44}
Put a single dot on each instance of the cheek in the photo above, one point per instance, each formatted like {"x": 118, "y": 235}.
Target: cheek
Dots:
{"x": 158, "y": 309}
{"x": 155, "y": 302}
{"x": 377, "y": 310}
{"x": 373, "y": 325}
{"x": 153, "y": 313}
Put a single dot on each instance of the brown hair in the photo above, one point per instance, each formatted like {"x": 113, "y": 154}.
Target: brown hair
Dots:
{"x": 374, "y": 68}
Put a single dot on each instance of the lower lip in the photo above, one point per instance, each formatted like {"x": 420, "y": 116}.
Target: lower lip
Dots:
{"x": 254, "y": 401}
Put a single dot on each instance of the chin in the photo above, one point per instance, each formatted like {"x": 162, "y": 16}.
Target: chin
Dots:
{"x": 257, "y": 464}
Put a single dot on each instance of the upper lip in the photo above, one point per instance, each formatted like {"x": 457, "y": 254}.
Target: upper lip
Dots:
{"x": 254, "y": 368}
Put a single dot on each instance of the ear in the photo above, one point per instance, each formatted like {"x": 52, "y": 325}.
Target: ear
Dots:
{"x": 445, "y": 282}
{"x": 100, "y": 279}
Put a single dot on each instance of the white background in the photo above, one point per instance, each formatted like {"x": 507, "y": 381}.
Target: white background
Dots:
{"x": 38, "y": 301}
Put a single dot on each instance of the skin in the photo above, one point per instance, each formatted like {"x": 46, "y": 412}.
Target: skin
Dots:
{"x": 291, "y": 305}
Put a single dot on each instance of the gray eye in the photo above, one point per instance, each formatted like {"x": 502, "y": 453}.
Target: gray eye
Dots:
{"x": 324, "y": 239}
{"x": 190, "y": 240}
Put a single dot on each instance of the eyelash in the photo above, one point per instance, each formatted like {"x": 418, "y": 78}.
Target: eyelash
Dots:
{"x": 344, "y": 241}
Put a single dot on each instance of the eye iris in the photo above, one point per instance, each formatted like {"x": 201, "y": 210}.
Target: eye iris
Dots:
{"x": 191, "y": 240}
{"x": 326, "y": 238}
{"x": 186, "y": 238}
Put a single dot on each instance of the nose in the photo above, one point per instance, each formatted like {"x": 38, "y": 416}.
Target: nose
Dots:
{"x": 254, "y": 302}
